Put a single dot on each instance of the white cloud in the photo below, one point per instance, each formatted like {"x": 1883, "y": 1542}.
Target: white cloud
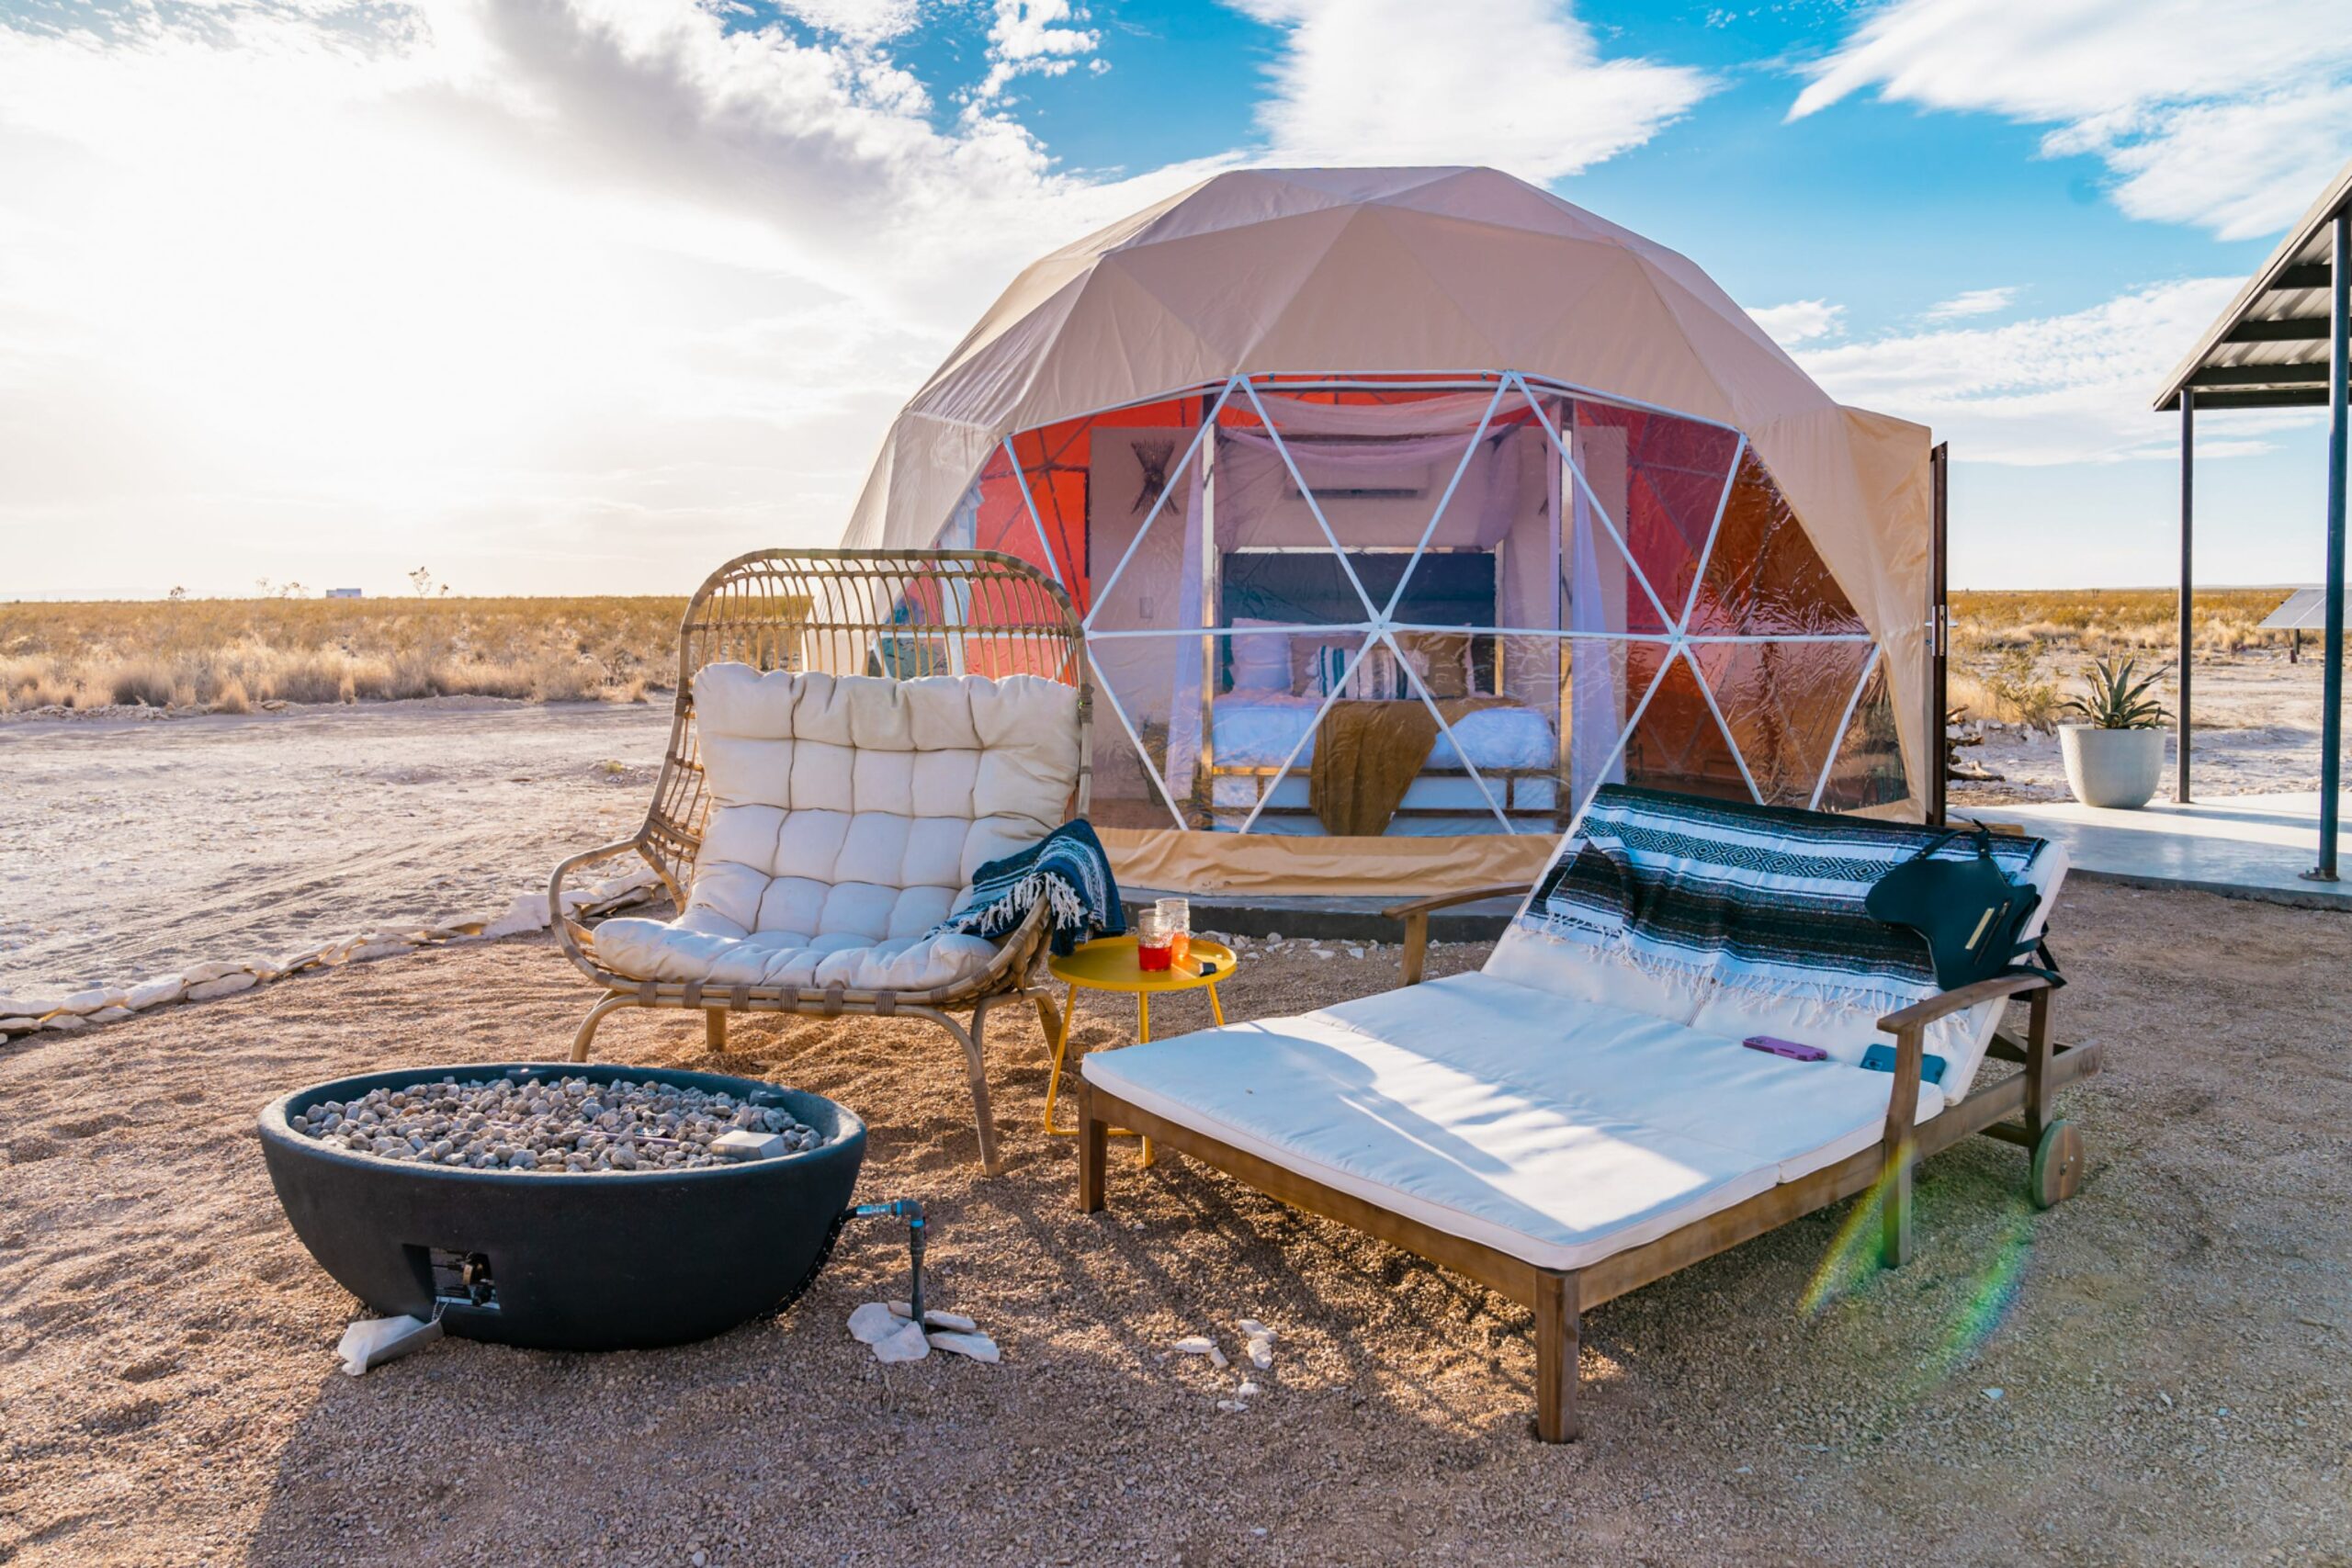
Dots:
{"x": 552, "y": 293}
{"x": 1800, "y": 321}
{"x": 2066, "y": 388}
{"x": 1517, "y": 84}
{"x": 860, "y": 21}
{"x": 2230, "y": 114}
{"x": 1033, "y": 38}
{"x": 1971, "y": 302}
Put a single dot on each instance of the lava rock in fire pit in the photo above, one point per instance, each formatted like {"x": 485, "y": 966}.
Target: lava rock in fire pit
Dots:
{"x": 555, "y": 1125}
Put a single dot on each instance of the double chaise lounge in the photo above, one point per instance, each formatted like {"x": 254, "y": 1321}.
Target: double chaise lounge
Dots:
{"x": 1579, "y": 1117}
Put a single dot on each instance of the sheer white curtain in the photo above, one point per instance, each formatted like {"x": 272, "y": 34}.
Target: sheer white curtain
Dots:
{"x": 1597, "y": 585}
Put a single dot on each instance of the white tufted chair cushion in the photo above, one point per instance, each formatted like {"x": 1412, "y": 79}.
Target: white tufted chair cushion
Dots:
{"x": 848, "y": 815}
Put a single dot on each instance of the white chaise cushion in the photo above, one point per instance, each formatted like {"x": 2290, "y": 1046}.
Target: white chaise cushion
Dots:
{"x": 1486, "y": 1110}
{"x": 657, "y": 950}
{"x": 848, "y": 814}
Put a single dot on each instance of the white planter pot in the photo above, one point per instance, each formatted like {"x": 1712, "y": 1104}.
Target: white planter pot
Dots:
{"x": 2116, "y": 768}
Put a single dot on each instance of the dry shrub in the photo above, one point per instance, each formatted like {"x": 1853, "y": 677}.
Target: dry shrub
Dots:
{"x": 559, "y": 679}
{"x": 2008, "y": 687}
{"x": 487, "y": 678}
{"x": 32, "y": 681}
{"x": 146, "y": 681}
{"x": 231, "y": 697}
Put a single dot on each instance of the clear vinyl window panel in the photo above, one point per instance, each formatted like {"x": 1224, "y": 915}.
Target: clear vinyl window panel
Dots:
{"x": 1435, "y": 604}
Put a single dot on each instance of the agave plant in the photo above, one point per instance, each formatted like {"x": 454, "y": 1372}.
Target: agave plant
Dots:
{"x": 2117, "y": 700}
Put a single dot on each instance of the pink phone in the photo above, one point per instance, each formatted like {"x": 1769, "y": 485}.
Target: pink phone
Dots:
{"x": 1788, "y": 1048}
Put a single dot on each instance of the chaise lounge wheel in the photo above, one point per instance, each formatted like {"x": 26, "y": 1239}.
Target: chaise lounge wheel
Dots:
{"x": 2057, "y": 1168}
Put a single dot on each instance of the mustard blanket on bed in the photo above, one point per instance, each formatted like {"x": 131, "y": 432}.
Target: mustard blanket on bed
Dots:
{"x": 1367, "y": 753}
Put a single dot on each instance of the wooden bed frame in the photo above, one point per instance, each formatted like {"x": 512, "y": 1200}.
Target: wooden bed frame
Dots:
{"x": 1560, "y": 1297}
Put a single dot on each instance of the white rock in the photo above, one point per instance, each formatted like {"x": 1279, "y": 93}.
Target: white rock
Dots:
{"x": 26, "y": 1007}
{"x": 528, "y": 912}
{"x": 197, "y": 974}
{"x": 302, "y": 958}
{"x": 1217, "y": 1359}
{"x": 226, "y": 986}
{"x": 372, "y": 1341}
{"x": 109, "y": 1015}
{"x": 366, "y": 950}
{"x": 1355, "y": 952}
{"x": 1248, "y": 1388}
{"x": 93, "y": 999}
{"x": 904, "y": 1343}
{"x": 1322, "y": 952}
{"x": 18, "y": 1025}
{"x": 741, "y": 1145}
{"x": 1252, "y": 1329}
{"x": 155, "y": 992}
{"x": 66, "y": 1021}
{"x": 978, "y": 1347}
{"x": 873, "y": 1322}
{"x": 1230, "y": 1405}
{"x": 955, "y": 1322}
{"x": 1196, "y": 1345}
{"x": 1261, "y": 1353}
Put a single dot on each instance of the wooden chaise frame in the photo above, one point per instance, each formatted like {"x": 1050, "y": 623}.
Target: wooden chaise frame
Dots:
{"x": 2017, "y": 1109}
{"x": 898, "y": 613}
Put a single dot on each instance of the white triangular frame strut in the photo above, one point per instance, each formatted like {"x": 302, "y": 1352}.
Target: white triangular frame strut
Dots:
{"x": 1845, "y": 723}
{"x": 1037, "y": 523}
{"x": 1313, "y": 507}
{"x": 1102, "y": 595}
{"x": 1723, "y": 727}
{"x": 1158, "y": 784}
{"x": 1608, "y": 524}
{"x": 1576, "y": 818}
{"x": 1307, "y": 734}
{"x": 1462, "y": 466}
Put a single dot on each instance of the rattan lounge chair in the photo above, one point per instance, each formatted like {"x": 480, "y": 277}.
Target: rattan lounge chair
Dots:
{"x": 1577, "y": 1120}
{"x": 855, "y": 732}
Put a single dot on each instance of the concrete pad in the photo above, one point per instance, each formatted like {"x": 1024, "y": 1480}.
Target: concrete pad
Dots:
{"x": 2244, "y": 846}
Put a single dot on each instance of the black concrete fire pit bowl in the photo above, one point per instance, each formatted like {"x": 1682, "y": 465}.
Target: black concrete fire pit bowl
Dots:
{"x": 606, "y": 1261}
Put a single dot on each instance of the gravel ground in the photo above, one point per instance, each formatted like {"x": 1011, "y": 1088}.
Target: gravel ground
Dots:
{"x": 2168, "y": 1349}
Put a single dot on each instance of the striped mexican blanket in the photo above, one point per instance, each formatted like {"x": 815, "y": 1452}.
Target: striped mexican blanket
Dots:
{"x": 1762, "y": 899}
{"x": 1066, "y": 869}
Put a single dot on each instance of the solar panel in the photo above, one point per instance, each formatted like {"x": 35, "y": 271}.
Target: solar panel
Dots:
{"x": 2304, "y": 611}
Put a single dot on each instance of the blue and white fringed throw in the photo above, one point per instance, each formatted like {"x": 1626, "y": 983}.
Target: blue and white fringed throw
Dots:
{"x": 1701, "y": 893}
{"x": 1066, "y": 871}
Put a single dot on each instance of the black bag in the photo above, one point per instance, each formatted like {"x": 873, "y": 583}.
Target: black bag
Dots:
{"x": 1968, "y": 911}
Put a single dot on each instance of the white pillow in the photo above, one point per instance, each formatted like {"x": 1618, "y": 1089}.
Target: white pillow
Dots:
{"x": 1260, "y": 661}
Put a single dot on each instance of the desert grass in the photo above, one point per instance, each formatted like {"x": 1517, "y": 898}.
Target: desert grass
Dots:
{"x": 234, "y": 655}
{"x": 2014, "y": 653}
{"x": 2016, "y": 656}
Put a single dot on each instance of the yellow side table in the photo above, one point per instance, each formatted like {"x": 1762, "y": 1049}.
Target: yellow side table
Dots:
{"x": 1108, "y": 963}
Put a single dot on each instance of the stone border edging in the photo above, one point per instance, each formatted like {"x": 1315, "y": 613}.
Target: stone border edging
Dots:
{"x": 203, "y": 982}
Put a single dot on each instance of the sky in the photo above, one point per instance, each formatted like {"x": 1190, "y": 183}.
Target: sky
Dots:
{"x": 586, "y": 295}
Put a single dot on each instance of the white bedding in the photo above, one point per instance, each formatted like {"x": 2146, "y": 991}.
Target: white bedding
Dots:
{"x": 1256, "y": 730}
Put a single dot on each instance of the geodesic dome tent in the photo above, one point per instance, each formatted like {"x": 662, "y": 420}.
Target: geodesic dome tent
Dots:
{"x": 1407, "y": 506}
